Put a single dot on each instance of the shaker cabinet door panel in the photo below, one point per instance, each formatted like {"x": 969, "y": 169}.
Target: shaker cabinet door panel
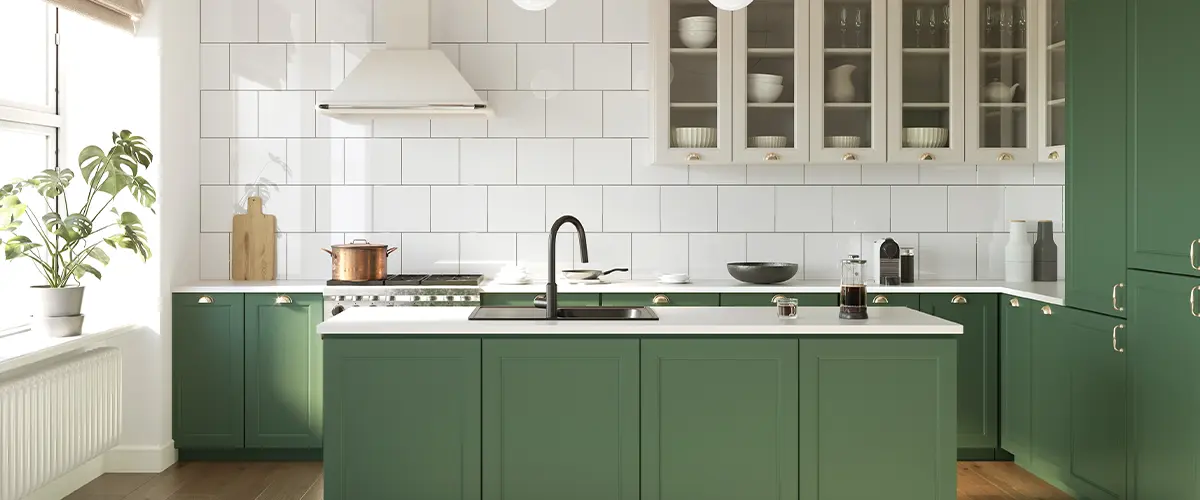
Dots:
{"x": 1050, "y": 403}
{"x": 1098, "y": 404}
{"x": 848, "y": 92}
{"x": 770, "y": 83}
{"x": 925, "y": 74}
{"x": 1000, "y": 82}
{"x": 978, "y": 414}
{"x": 1016, "y": 371}
{"x": 208, "y": 358}
{"x": 283, "y": 372}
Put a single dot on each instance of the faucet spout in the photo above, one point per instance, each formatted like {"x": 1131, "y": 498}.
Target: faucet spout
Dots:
{"x": 551, "y": 286}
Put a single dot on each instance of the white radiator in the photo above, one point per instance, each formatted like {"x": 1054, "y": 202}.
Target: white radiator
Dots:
{"x": 57, "y": 416}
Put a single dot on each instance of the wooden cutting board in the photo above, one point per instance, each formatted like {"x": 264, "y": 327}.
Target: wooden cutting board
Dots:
{"x": 253, "y": 243}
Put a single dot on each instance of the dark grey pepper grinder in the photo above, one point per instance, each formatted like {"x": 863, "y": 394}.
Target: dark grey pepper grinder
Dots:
{"x": 1045, "y": 253}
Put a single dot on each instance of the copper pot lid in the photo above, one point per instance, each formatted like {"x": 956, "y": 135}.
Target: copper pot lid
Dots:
{"x": 360, "y": 244}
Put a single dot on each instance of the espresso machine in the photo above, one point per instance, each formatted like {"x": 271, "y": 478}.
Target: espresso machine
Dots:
{"x": 883, "y": 265}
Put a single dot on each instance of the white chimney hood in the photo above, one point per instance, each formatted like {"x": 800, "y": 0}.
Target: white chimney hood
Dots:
{"x": 406, "y": 77}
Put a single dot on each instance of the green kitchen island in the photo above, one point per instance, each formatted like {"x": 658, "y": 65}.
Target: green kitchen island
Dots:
{"x": 706, "y": 403}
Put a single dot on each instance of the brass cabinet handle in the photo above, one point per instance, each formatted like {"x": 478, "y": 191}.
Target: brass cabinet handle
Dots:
{"x": 1192, "y": 255}
{"x": 1047, "y": 311}
{"x": 1115, "y": 348}
{"x": 205, "y": 299}
{"x": 958, "y": 299}
{"x": 1054, "y": 155}
{"x": 660, "y": 300}
{"x": 777, "y": 298}
{"x": 849, "y": 157}
{"x": 771, "y": 157}
{"x": 880, "y": 299}
{"x": 1014, "y": 302}
{"x": 926, "y": 157}
{"x": 1005, "y": 157}
{"x": 1192, "y": 301}
{"x": 693, "y": 157}
{"x": 1115, "y": 306}
{"x": 283, "y": 300}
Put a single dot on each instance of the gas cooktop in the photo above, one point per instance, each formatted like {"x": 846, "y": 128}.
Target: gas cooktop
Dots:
{"x": 417, "y": 280}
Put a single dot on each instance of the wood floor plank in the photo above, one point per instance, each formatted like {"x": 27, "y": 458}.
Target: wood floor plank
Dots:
{"x": 972, "y": 486}
{"x": 119, "y": 485}
{"x": 254, "y": 478}
{"x": 292, "y": 481}
{"x": 317, "y": 492}
{"x": 167, "y": 482}
{"x": 1016, "y": 482}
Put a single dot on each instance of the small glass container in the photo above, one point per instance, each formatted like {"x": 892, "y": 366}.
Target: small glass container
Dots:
{"x": 787, "y": 308}
{"x": 908, "y": 265}
{"x": 854, "y": 289}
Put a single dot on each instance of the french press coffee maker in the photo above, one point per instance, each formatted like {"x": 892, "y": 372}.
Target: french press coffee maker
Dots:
{"x": 854, "y": 289}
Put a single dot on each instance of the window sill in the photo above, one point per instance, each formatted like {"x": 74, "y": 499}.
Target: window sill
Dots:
{"x": 25, "y": 348}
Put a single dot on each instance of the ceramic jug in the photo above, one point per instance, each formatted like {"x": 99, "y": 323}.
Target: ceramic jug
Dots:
{"x": 998, "y": 91}
{"x": 838, "y": 85}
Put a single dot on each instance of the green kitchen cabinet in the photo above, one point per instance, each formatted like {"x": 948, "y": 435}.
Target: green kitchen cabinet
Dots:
{"x": 978, "y": 414}
{"x": 410, "y": 411}
{"x": 877, "y": 419}
{"x": 560, "y": 419}
{"x": 1098, "y": 405}
{"x": 1163, "y": 342}
{"x": 526, "y": 299}
{"x": 1016, "y": 370}
{"x": 1096, "y": 163}
{"x": 283, "y": 371}
{"x": 1050, "y": 400}
{"x": 661, "y": 299}
{"x": 768, "y": 299}
{"x": 909, "y": 300}
{"x": 207, "y": 360}
{"x": 1163, "y": 215}
{"x": 719, "y": 419}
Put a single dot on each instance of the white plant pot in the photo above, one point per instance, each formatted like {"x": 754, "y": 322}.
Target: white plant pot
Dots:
{"x": 57, "y": 302}
{"x": 62, "y": 326}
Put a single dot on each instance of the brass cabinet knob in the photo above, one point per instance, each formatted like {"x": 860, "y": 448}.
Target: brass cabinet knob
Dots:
{"x": 958, "y": 299}
{"x": 1192, "y": 301}
{"x": 777, "y": 298}
{"x": 1047, "y": 311}
{"x": 1114, "y": 295}
{"x": 1115, "y": 348}
{"x": 283, "y": 300}
{"x": 926, "y": 157}
{"x": 693, "y": 157}
{"x": 1005, "y": 157}
{"x": 880, "y": 299}
{"x": 1053, "y": 155}
{"x": 205, "y": 299}
{"x": 771, "y": 157}
{"x": 849, "y": 157}
{"x": 1192, "y": 254}
{"x": 660, "y": 300}
{"x": 1014, "y": 302}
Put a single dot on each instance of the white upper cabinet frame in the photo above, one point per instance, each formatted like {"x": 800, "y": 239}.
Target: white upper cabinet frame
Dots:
{"x": 796, "y": 151}
{"x": 899, "y": 25}
{"x": 1050, "y": 100}
{"x": 977, "y": 152}
{"x": 875, "y": 59}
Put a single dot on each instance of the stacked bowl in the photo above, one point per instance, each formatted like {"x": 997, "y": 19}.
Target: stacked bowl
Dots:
{"x": 698, "y": 32}
{"x": 695, "y": 137}
{"x": 926, "y": 137}
{"x": 763, "y": 87}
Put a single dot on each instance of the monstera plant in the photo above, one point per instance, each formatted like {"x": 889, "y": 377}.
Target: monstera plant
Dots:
{"x": 63, "y": 231}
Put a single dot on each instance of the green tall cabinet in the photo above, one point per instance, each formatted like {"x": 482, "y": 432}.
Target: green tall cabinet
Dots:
{"x": 978, "y": 398}
{"x": 283, "y": 377}
{"x": 208, "y": 359}
{"x": 1016, "y": 370}
{"x": 1095, "y": 355}
{"x": 1050, "y": 405}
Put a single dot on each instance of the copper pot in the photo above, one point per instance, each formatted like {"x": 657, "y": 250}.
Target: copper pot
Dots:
{"x": 359, "y": 261}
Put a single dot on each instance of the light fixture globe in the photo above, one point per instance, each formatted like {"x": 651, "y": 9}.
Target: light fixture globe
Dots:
{"x": 730, "y": 5}
{"x": 534, "y": 4}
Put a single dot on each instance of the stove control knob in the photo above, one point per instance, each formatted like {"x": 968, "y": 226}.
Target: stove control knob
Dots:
{"x": 357, "y": 298}
{"x": 377, "y": 298}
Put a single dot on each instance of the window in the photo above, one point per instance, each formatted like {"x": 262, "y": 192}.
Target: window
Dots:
{"x": 29, "y": 124}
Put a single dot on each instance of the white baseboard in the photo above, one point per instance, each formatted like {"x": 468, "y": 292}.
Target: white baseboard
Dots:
{"x": 153, "y": 459}
{"x": 69, "y": 482}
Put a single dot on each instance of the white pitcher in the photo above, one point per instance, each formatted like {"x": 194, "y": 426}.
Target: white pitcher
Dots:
{"x": 838, "y": 85}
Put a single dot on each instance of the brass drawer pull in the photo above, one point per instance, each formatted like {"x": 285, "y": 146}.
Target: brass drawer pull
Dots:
{"x": 1047, "y": 311}
{"x": 1014, "y": 302}
{"x": 880, "y": 299}
{"x": 1115, "y": 348}
{"x": 1114, "y": 295}
{"x": 958, "y": 299}
{"x": 1054, "y": 155}
{"x": 283, "y": 300}
{"x": 849, "y": 157}
{"x": 1005, "y": 157}
{"x": 205, "y": 299}
{"x": 693, "y": 157}
{"x": 771, "y": 157}
{"x": 927, "y": 157}
{"x": 1192, "y": 301}
{"x": 660, "y": 300}
{"x": 1192, "y": 255}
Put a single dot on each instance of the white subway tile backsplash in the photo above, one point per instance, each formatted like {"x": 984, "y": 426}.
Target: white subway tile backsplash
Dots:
{"x": 603, "y": 161}
{"x": 257, "y": 66}
{"x": 344, "y": 209}
{"x": 626, "y": 21}
{"x": 947, "y": 256}
{"x": 631, "y": 209}
{"x": 708, "y": 254}
{"x": 219, "y": 205}
{"x": 488, "y": 161}
{"x": 919, "y": 208}
{"x": 460, "y": 209}
{"x": 214, "y": 161}
{"x": 486, "y": 253}
{"x": 989, "y": 257}
{"x": 228, "y": 21}
{"x": 1034, "y": 203}
{"x": 489, "y": 66}
{"x": 545, "y": 161}
{"x": 294, "y": 207}
{"x": 626, "y": 113}
{"x": 509, "y": 23}
{"x": 214, "y": 66}
{"x": 429, "y": 253}
{"x": 655, "y": 254}
{"x": 286, "y": 20}
{"x": 975, "y": 208}
{"x": 261, "y": 162}
{"x": 214, "y": 256}
{"x": 305, "y": 260}
{"x": 861, "y": 208}
{"x": 603, "y": 67}
{"x": 948, "y": 174}
{"x": 345, "y": 21}
{"x": 823, "y": 253}
{"x": 773, "y": 175}
{"x": 519, "y": 113}
{"x": 374, "y": 161}
{"x": 316, "y": 161}
{"x": 645, "y": 173}
{"x": 832, "y": 174}
{"x": 575, "y": 21}
{"x": 1005, "y": 174}
{"x": 287, "y": 114}
{"x": 430, "y": 161}
{"x": 315, "y": 66}
{"x": 716, "y": 174}
{"x": 584, "y": 202}
{"x": 544, "y": 67}
{"x": 688, "y": 209}
{"x": 575, "y": 114}
{"x": 776, "y": 247}
{"x": 890, "y": 174}
{"x": 460, "y": 126}
{"x": 1050, "y": 173}
{"x": 514, "y": 209}
{"x": 532, "y": 253}
{"x": 228, "y": 114}
{"x": 746, "y": 209}
{"x": 401, "y": 126}
{"x": 341, "y": 126}
{"x": 641, "y": 66}
{"x": 401, "y": 208}
{"x": 458, "y": 20}
{"x": 804, "y": 208}
{"x": 608, "y": 251}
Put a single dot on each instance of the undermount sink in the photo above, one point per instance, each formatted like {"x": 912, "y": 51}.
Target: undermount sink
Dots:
{"x": 565, "y": 313}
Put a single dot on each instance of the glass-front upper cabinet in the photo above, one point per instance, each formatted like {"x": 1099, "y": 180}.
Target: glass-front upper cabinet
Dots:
{"x": 1001, "y": 126}
{"x": 692, "y": 78}
{"x": 1052, "y": 122}
{"x": 925, "y": 74}
{"x": 848, "y": 75}
{"x": 770, "y": 82}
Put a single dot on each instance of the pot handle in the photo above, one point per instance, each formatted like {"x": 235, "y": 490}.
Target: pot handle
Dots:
{"x": 359, "y": 241}
{"x": 328, "y": 251}
{"x": 614, "y": 270}
{"x": 390, "y": 250}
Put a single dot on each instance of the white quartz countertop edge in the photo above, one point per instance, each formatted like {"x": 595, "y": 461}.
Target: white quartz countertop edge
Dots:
{"x": 672, "y": 321}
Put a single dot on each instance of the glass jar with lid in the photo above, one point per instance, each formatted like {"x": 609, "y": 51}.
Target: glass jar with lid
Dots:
{"x": 854, "y": 289}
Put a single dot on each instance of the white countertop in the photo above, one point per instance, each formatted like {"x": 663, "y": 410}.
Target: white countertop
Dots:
{"x": 229, "y": 286}
{"x": 672, "y": 321}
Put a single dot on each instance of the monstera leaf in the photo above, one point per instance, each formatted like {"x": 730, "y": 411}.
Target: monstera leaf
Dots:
{"x": 73, "y": 228}
{"x": 143, "y": 192}
{"x": 17, "y": 246}
{"x": 52, "y": 183}
{"x": 133, "y": 236}
{"x": 11, "y": 211}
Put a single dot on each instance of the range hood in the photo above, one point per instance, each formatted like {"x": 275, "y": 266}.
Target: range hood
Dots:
{"x": 406, "y": 77}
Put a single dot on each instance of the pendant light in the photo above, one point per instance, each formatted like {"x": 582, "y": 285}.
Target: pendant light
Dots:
{"x": 730, "y": 5}
{"x": 534, "y": 4}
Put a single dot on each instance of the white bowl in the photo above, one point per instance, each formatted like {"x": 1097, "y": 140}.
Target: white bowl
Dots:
{"x": 695, "y": 137}
{"x": 677, "y": 279}
{"x": 697, "y": 22}
{"x": 698, "y": 39}
{"x": 764, "y": 78}
{"x": 768, "y": 141}
{"x": 842, "y": 141}
{"x": 764, "y": 92}
{"x": 926, "y": 137}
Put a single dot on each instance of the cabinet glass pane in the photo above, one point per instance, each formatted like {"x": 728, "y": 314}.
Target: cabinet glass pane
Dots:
{"x": 925, "y": 74}
{"x": 848, "y": 78}
{"x": 771, "y": 74}
{"x": 694, "y": 74}
{"x": 1056, "y": 73}
{"x": 1004, "y": 53}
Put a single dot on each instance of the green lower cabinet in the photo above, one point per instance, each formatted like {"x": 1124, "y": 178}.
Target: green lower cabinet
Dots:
{"x": 978, "y": 384}
{"x": 560, "y": 419}
{"x": 1050, "y": 399}
{"x": 719, "y": 419}
{"x": 207, "y": 361}
{"x": 1016, "y": 370}
{"x": 283, "y": 372}
{"x": 768, "y": 299}
{"x": 909, "y": 300}
{"x": 414, "y": 428}
{"x": 876, "y": 419}
{"x": 526, "y": 299}
{"x": 661, "y": 299}
{"x": 1098, "y": 404}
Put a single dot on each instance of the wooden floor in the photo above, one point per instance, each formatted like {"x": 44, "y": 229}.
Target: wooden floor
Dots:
{"x": 302, "y": 481}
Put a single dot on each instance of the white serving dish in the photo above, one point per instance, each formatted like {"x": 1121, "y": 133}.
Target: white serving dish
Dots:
{"x": 926, "y": 137}
{"x": 698, "y": 39}
{"x": 764, "y": 77}
{"x": 695, "y": 137}
{"x": 698, "y": 22}
{"x": 768, "y": 141}
{"x": 842, "y": 141}
{"x": 763, "y": 92}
